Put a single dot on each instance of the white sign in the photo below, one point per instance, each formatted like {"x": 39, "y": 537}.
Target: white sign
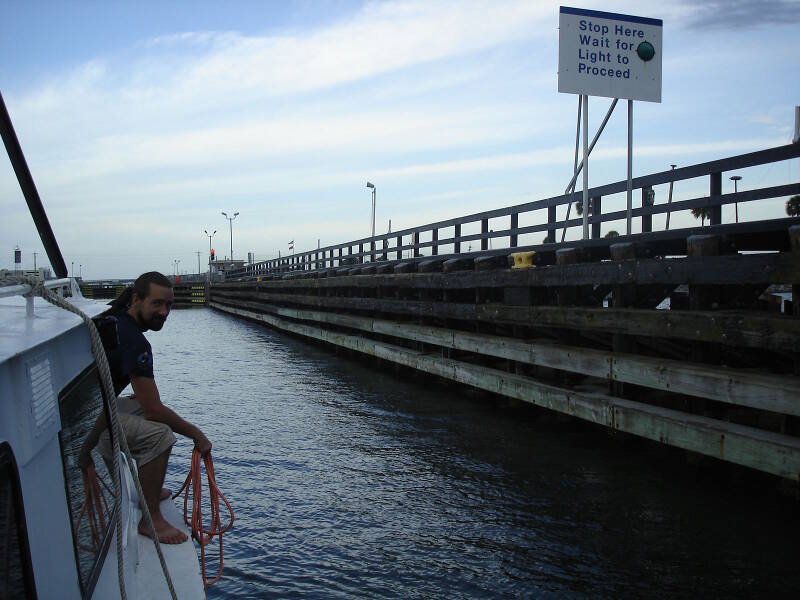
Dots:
{"x": 607, "y": 54}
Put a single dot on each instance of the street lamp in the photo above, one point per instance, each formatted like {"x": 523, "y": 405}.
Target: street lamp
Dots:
{"x": 230, "y": 222}
{"x": 210, "y": 237}
{"x": 736, "y": 179}
{"x": 372, "y": 242}
{"x": 372, "y": 187}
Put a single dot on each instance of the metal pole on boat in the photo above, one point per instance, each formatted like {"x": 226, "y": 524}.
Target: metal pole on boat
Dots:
{"x": 28, "y": 187}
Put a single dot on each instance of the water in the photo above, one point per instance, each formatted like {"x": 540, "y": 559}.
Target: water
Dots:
{"x": 354, "y": 481}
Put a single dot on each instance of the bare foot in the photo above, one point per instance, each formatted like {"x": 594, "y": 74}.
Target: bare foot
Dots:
{"x": 165, "y": 494}
{"x": 167, "y": 534}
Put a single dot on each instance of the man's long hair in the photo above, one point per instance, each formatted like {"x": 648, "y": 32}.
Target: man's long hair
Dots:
{"x": 140, "y": 287}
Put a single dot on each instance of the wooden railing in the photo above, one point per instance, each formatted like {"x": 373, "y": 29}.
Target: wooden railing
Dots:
{"x": 392, "y": 246}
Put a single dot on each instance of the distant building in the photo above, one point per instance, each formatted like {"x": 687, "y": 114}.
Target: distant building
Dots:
{"x": 40, "y": 273}
{"x": 219, "y": 268}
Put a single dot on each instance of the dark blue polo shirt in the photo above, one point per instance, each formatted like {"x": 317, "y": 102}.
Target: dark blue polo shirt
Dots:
{"x": 133, "y": 355}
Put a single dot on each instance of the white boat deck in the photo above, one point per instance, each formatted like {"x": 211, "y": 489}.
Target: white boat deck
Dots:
{"x": 182, "y": 562}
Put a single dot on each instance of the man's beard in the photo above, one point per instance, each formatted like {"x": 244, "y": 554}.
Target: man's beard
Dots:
{"x": 155, "y": 323}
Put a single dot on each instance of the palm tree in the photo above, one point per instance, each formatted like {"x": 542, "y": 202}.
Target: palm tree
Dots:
{"x": 579, "y": 207}
{"x": 702, "y": 214}
{"x": 793, "y": 206}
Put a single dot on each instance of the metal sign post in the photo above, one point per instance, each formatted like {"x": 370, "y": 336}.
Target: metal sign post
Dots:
{"x": 610, "y": 55}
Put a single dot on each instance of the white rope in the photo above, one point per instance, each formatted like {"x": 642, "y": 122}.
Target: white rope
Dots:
{"x": 118, "y": 438}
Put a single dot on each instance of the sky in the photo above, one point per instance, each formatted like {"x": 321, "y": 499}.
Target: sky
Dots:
{"x": 142, "y": 121}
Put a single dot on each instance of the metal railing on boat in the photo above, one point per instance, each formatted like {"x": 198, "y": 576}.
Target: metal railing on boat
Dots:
{"x": 26, "y": 289}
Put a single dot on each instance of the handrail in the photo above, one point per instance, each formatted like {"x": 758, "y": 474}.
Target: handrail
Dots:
{"x": 25, "y": 290}
{"x": 15, "y": 290}
{"x": 376, "y": 248}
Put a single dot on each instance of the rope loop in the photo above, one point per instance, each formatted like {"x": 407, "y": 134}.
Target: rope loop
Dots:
{"x": 204, "y": 535}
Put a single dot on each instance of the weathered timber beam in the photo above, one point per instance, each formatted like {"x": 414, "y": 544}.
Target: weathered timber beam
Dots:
{"x": 713, "y": 270}
{"x": 775, "y": 393}
{"x": 773, "y": 453}
{"x": 730, "y": 328}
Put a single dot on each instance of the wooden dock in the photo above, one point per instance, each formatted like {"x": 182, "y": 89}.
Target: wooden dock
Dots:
{"x": 580, "y": 333}
{"x": 684, "y": 337}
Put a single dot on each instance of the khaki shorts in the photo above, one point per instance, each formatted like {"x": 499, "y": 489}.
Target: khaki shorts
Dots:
{"x": 147, "y": 440}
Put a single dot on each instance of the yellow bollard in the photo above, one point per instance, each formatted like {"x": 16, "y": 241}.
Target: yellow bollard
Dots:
{"x": 523, "y": 260}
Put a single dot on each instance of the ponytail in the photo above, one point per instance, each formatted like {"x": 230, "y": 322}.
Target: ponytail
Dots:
{"x": 121, "y": 302}
{"x": 140, "y": 287}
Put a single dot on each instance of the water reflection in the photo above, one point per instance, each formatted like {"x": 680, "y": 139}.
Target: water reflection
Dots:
{"x": 350, "y": 480}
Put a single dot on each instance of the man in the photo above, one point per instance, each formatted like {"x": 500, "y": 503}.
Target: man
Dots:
{"x": 148, "y": 424}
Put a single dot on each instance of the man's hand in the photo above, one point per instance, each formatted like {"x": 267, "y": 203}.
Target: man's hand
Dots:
{"x": 201, "y": 443}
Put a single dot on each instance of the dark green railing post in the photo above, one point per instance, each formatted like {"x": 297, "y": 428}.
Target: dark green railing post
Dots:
{"x": 514, "y": 225}
{"x": 716, "y": 190}
{"x": 551, "y": 220}
{"x": 596, "y": 211}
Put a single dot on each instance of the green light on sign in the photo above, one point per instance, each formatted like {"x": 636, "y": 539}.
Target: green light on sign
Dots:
{"x": 645, "y": 51}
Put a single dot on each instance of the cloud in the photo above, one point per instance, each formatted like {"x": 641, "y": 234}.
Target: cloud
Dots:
{"x": 726, "y": 14}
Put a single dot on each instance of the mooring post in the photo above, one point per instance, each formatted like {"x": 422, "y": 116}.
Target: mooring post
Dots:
{"x": 623, "y": 295}
{"x": 565, "y": 295}
{"x": 704, "y": 298}
{"x": 648, "y": 199}
{"x": 794, "y": 237}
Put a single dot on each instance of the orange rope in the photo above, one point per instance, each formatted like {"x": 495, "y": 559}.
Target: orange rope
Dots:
{"x": 195, "y": 522}
{"x": 93, "y": 507}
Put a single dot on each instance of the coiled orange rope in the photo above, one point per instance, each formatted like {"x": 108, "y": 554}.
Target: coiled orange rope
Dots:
{"x": 94, "y": 507}
{"x": 203, "y": 535}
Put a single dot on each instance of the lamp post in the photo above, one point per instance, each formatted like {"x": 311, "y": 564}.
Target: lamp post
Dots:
{"x": 210, "y": 237}
{"x": 372, "y": 242}
{"x": 736, "y": 179}
{"x": 372, "y": 187}
{"x": 230, "y": 222}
